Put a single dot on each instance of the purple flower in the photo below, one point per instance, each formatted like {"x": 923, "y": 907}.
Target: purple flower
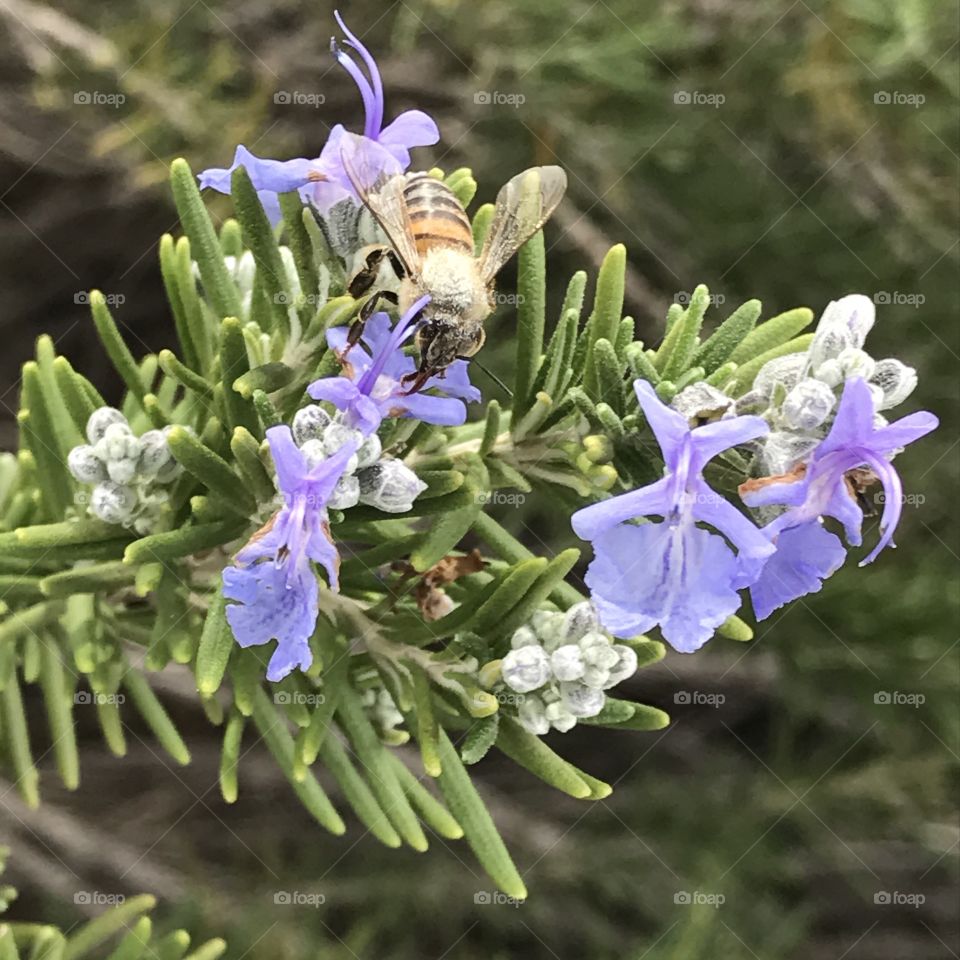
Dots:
{"x": 372, "y": 386}
{"x": 273, "y": 580}
{"x": 672, "y": 572}
{"x": 323, "y": 181}
{"x": 823, "y": 487}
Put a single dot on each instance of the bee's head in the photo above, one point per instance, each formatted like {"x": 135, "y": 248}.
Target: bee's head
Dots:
{"x": 443, "y": 339}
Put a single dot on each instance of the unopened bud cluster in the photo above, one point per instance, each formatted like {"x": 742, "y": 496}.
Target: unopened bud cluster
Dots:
{"x": 384, "y": 483}
{"x": 129, "y": 474}
{"x": 382, "y": 710}
{"x": 561, "y": 664}
{"x": 799, "y": 392}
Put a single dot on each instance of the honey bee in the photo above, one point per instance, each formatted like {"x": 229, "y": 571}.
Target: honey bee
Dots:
{"x": 432, "y": 252}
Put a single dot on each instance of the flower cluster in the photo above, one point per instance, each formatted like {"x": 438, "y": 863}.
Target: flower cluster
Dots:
{"x": 331, "y": 462}
{"x": 129, "y": 474}
{"x": 559, "y": 666}
{"x": 801, "y": 390}
{"x": 324, "y": 181}
{"x": 675, "y": 574}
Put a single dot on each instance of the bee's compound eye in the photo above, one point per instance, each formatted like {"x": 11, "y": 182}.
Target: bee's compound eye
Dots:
{"x": 472, "y": 344}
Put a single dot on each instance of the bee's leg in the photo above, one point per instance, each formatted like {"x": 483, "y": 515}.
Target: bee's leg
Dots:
{"x": 396, "y": 263}
{"x": 360, "y": 284}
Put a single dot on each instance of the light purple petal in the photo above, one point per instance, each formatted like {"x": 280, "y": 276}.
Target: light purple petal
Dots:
{"x": 790, "y": 491}
{"x": 806, "y": 555}
{"x": 674, "y": 574}
{"x": 269, "y": 608}
{"x": 456, "y": 382}
{"x": 892, "y": 505}
{"x": 904, "y": 431}
{"x": 413, "y": 128}
{"x": 710, "y": 507}
{"x": 287, "y": 458}
{"x": 278, "y": 176}
{"x": 853, "y": 423}
{"x": 339, "y": 391}
{"x": 442, "y": 411}
{"x": 714, "y": 438}
{"x": 653, "y": 499}
{"x": 669, "y": 427}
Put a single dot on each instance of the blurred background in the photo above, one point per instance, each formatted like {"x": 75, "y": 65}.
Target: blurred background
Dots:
{"x": 804, "y": 801}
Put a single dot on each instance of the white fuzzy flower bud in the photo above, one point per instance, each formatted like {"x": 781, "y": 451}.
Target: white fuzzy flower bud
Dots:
{"x": 533, "y": 716}
{"x": 314, "y": 452}
{"x": 118, "y": 443}
{"x": 100, "y": 420}
{"x": 856, "y": 363}
{"x": 309, "y": 424}
{"x": 581, "y": 618}
{"x": 169, "y": 471}
{"x": 581, "y": 700}
{"x": 808, "y": 404}
{"x": 626, "y": 665}
{"x": 829, "y": 372}
{"x": 369, "y": 451}
{"x": 525, "y": 669}
{"x": 345, "y": 494}
{"x": 548, "y": 625}
{"x": 782, "y": 451}
{"x": 112, "y": 502}
{"x": 781, "y": 370}
{"x": 523, "y": 637}
{"x": 567, "y": 662}
{"x": 154, "y": 453}
{"x": 390, "y": 485}
{"x": 559, "y": 717}
{"x": 335, "y": 436}
{"x": 896, "y": 380}
{"x": 85, "y": 465}
{"x": 701, "y": 400}
{"x": 876, "y": 395}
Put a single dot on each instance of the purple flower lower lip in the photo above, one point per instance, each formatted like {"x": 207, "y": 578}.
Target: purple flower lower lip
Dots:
{"x": 272, "y": 581}
{"x": 826, "y": 487}
{"x": 823, "y": 489}
{"x": 673, "y": 573}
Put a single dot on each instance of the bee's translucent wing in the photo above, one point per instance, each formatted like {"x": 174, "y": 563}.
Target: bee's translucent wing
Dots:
{"x": 379, "y": 185}
{"x": 524, "y": 205}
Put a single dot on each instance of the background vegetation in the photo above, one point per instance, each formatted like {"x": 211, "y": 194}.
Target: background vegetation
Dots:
{"x": 804, "y": 166}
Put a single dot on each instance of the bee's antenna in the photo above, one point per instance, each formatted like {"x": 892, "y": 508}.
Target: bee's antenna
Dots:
{"x": 493, "y": 377}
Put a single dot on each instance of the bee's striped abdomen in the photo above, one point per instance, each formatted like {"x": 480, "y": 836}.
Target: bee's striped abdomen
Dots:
{"x": 437, "y": 218}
